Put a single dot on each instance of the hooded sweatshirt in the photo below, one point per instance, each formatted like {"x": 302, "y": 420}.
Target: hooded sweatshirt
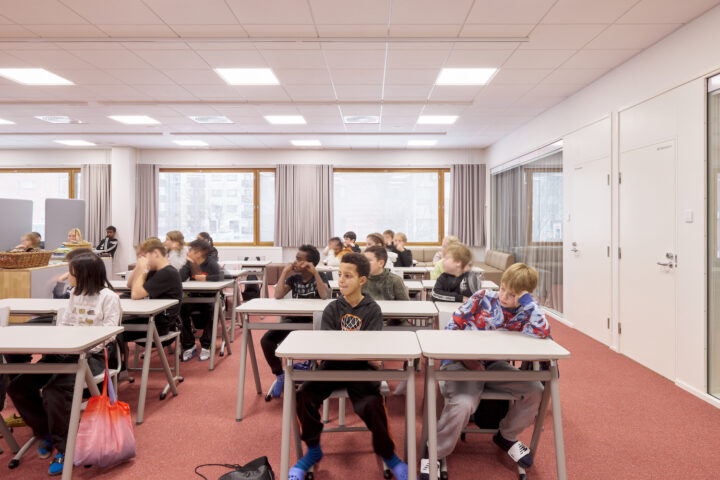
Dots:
{"x": 449, "y": 288}
{"x": 339, "y": 315}
{"x": 385, "y": 286}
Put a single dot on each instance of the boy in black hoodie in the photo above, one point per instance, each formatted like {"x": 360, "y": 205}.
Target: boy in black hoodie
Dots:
{"x": 351, "y": 312}
{"x": 457, "y": 283}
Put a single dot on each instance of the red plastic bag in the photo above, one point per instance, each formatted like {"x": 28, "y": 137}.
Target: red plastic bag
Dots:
{"x": 105, "y": 435}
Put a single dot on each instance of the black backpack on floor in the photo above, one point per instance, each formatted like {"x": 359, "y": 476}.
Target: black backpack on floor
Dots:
{"x": 258, "y": 469}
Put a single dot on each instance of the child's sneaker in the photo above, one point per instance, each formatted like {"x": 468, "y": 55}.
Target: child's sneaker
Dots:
{"x": 204, "y": 355}
{"x": 517, "y": 450}
{"x": 296, "y": 473}
{"x": 45, "y": 448}
{"x": 189, "y": 353}
{"x": 56, "y": 467}
{"x": 425, "y": 469}
{"x": 278, "y": 385}
{"x": 15, "y": 421}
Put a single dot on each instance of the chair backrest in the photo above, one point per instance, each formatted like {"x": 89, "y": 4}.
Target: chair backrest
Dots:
{"x": 58, "y": 315}
{"x": 4, "y": 316}
{"x": 317, "y": 320}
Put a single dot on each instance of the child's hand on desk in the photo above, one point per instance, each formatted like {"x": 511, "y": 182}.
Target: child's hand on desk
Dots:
{"x": 376, "y": 364}
{"x": 201, "y": 277}
{"x": 473, "y": 364}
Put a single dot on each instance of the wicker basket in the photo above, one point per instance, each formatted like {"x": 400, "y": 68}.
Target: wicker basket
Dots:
{"x": 24, "y": 259}
{"x": 73, "y": 245}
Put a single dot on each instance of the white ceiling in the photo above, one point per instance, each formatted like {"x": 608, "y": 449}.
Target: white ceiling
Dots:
{"x": 155, "y": 57}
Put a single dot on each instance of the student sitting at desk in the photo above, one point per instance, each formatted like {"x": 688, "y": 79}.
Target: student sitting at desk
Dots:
{"x": 175, "y": 245}
{"x": 44, "y": 400}
{"x": 108, "y": 245}
{"x": 404, "y": 256}
{"x": 213, "y": 251}
{"x": 335, "y": 251}
{"x": 382, "y": 284}
{"x": 374, "y": 239}
{"x": 304, "y": 281}
{"x": 349, "y": 241}
{"x": 63, "y": 288}
{"x": 351, "y": 312}
{"x": 28, "y": 243}
{"x": 458, "y": 282}
{"x": 512, "y": 308}
{"x": 440, "y": 255}
{"x": 200, "y": 266}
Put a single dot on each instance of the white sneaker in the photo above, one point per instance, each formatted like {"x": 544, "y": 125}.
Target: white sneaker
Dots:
{"x": 189, "y": 353}
{"x": 425, "y": 469}
{"x": 204, "y": 354}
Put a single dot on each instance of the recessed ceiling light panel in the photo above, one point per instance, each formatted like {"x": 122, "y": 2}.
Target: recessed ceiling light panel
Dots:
{"x": 285, "y": 119}
{"x": 134, "y": 119}
{"x": 190, "y": 143}
{"x": 437, "y": 119}
{"x": 465, "y": 76}
{"x": 33, "y": 76}
{"x": 75, "y": 143}
{"x": 361, "y": 119}
{"x": 248, "y": 76}
{"x": 57, "y": 119}
{"x": 306, "y": 143}
{"x": 210, "y": 119}
{"x": 421, "y": 143}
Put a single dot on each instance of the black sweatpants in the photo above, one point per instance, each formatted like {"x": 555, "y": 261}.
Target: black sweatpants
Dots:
{"x": 366, "y": 400}
{"x": 44, "y": 401}
{"x": 272, "y": 338}
{"x": 199, "y": 314}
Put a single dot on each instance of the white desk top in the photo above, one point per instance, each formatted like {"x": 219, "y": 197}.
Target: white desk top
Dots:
{"x": 191, "y": 286}
{"x": 487, "y": 345}
{"x": 447, "y": 307}
{"x": 52, "y": 339}
{"x": 336, "y": 345}
{"x": 146, "y": 306}
{"x": 246, "y": 263}
{"x": 237, "y": 273}
{"x": 33, "y": 306}
{"x": 286, "y": 306}
{"x": 327, "y": 268}
{"x": 407, "y": 308}
{"x": 485, "y": 284}
{"x": 411, "y": 285}
{"x": 411, "y": 269}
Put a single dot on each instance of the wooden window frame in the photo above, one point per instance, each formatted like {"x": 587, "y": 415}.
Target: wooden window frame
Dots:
{"x": 72, "y": 188}
{"x": 256, "y": 199}
{"x": 529, "y": 189}
{"x": 441, "y": 195}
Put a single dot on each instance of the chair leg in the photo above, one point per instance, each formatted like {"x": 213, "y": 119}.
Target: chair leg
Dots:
{"x": 16, "y": 459}
{"x": 341, "y": 412}
{"x": 326, "y": 411}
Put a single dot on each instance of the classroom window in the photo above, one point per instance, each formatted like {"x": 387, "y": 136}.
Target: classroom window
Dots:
{"x": 546, "y": 205}
{"x": 38, "y": 185}
{"x": 408, "y": 201}
{"x": 713, "y": 238}
{"x": 228, "y": 204}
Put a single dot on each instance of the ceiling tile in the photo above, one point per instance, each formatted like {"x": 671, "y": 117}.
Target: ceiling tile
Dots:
{"x": 350, "y": 76}
{"x": 146, "y": 76}
{"x": 212, "y": 91}
{"x": 54, "y": 30}
{"x": 116, "y": 92}
{"x": 137, "y": 30}
{"x": 509, "y": 11}
{"x": 87, "y": 76}
{"x": 417, "y": 58}
{"x": 355, "y": 59}
{"x": 417, "y": 12}
{"x": 587, "y": 11}
{"x": 517, "y": 30}
{"x": 271, "y": 12}
{"x": 165, "y": 92}
{"x": 15, "y": 31}
{"x": 275, "y": 93}
{"x": 209, "y": 31}
{"x": 512, "y": 76}
{"x": 599, "y": 58}
{"x": 538, "y": 58}
{"x": 172, "y": 59}
{"x": 358, "y": 92}
{"x": 302, "y": 76}
{"x": 192, "y": 12}
{"x": 50, "y": 59}
{"x": 477, "y": 58}
{"x": 547, "y": 89}
{"x": 126, "y": 12}
{"x": 574, "y": 75}
{"x": 411, "y": 76}
{"x": 294, "y": 58}
{"x": 631, "y": 36}
{"x": 455, "y": 92}
{"x": 351, "y": 109}
{"x": 378, "y": 30}
{"x": 233, "y": 58}
{"x": 425, "y": 30}
{"x": 402, "y": 110}
{"x": 194, "y": 77}
{"x": 310, "y": 92}
{"x": 111, "y": 58}
{"x": 348, "y": 12}
{"x": 548, "y": 37}
{"x": 41, "y": 12}
{"x": 280, "y": 31}
{"x": 406, "y": 92}
{"x": 666, "y": 11}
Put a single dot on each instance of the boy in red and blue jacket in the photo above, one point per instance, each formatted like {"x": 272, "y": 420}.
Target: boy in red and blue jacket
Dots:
{"x": 512, "y": 308}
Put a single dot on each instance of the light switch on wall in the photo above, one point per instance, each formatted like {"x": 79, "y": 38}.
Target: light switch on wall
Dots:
{"x": 689, "y": 216}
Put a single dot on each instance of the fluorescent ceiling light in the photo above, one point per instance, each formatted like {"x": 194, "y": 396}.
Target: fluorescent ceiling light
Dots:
{"x": 57, "y": 119}
{"x": 465, "y": 76}
{"x": 6, "y": 122}
{"x": 361, "y": 119}
{"x": 285, "y": 119}
{"x": 75, "y": 143}
{"x": 190, "y": 143}
{"x": 437, "y": 119}
{"x": 306, "y": 143}
{"x": 248, "y": 76}
{"x": 210, "y": 119}
{"x": 33, "y": 76}
{"x": 134, "y": 119}
{"x": 421, "y": 143}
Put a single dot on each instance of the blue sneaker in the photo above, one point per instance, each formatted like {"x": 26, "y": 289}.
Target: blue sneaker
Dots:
{"x": 45, "y": 448}
{"x": 279, "y": 385}
{"x": 56, "y": 467}
{"x": 296, "y": 473}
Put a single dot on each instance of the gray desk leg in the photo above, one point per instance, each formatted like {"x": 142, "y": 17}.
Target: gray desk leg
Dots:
{"x": 163, "y": 358}
{"x": 557, "y": 422}
{"x": 410, "y": 434}
{"x": 430, "y": 400}
{"x": 82, "y": 368}
{"x": 233, "y": 315}
{"x": 243, "y": 362}
{"x": 213, "y": 345}
{"x": 288, "y": 404}
{"x": 540, "y": 420}
{"x": 145, "y": 375}
{"x": 253, "y": 363}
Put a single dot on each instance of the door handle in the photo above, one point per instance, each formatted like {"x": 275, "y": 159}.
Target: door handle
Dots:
{"x": 666, "y": 264}
{"x": 574, "y": 248}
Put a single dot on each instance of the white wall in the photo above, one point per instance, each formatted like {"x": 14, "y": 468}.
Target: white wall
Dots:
{"x": 52, "y": 158}
{"x": 122, "y": 185}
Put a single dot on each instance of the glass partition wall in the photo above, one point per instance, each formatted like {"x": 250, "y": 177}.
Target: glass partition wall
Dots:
{"x": 527, "y": 221}
{"x": 713, "y": 235}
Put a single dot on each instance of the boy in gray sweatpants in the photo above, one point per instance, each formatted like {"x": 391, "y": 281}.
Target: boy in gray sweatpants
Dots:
{"x": 512, "y": 308}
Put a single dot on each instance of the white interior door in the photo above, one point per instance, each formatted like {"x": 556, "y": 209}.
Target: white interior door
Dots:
{"x": 647, "y": 241}
{"x": 588, "y": 263}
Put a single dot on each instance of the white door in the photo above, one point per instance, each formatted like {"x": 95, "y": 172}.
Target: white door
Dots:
{"x": 588, "y": 263}
{"x": 647, "y": 263}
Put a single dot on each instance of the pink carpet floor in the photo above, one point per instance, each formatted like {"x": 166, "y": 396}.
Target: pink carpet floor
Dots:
{"x": 620, "y": 420}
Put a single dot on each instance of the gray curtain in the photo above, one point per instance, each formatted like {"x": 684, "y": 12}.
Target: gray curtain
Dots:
{"x": 146, "y": 202}
{"x": 303, "y": 205}
{"x": 467, "y": 204}
{"x": 95, "y": 190}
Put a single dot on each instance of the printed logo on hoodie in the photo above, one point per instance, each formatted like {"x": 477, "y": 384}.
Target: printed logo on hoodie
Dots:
{"x": 350, "y": 322}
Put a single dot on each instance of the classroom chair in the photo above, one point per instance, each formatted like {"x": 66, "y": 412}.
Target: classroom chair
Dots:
{"x": 171, "y": 339}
